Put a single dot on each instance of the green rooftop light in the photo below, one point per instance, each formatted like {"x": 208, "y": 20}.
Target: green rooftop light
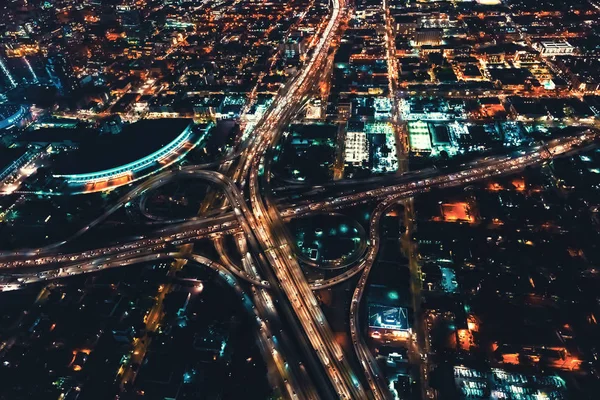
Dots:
{"x": 393, "y": 295}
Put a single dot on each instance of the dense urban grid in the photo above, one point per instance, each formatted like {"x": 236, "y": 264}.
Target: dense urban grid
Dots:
{"x": 299, "y": 199}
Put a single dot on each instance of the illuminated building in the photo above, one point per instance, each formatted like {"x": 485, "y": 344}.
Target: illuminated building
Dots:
{"x": 294, "y": 46}
{"x": 128, "y": 17}
{"x": 382, "y": 144}
{"x": 419, "y": 139}
{"x": 441, "y": 140}
{"x": 526, "y": 56}
{"x": 383, "y": 108}
{"x": 125, "y": 166}
{"x": 554, "y": 48}
{"x": 11, "y": 115}
{"x": 132, "y": 167}
{"x": 357, "y": 148}
{"x": 62, "y": 74}
{"x": 231, "y": 107}
{"x": 314, "y": 109}
{"x": 428, "y": 36}
{"x": 405, "y": 25}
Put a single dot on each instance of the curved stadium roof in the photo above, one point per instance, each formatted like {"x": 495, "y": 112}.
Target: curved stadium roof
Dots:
{"x": 135, "y": 148}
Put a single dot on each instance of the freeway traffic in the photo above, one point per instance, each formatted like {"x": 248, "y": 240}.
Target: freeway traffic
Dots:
{"x": 347, "y": 195}
{"x": 227, "y": 224}
{"x": 281, "y": 299}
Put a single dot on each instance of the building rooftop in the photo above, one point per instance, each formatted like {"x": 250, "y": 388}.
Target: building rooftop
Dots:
{"x": 109, "y": 151}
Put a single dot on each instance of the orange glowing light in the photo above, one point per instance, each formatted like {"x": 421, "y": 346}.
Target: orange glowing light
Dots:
{"x": 495, "y": 186}
{"x": 519, "y": 184}
{"x": 512, "y": 358}
{"x": 400, "y": 334}
{"x": 454, "y": 212}
{"x": 472, "y": 323}
{"x": 122, "y": 180}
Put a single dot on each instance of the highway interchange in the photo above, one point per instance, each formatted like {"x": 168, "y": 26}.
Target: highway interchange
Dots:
{"x": 304, "y": 359}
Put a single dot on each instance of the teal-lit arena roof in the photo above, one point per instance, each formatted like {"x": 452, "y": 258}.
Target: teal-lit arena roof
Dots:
{"x": 137, "y": 148}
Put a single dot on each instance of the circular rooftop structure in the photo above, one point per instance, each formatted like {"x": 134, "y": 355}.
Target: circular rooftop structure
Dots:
{"x": 11, "y": 115}
{"x": 108, "y": 160}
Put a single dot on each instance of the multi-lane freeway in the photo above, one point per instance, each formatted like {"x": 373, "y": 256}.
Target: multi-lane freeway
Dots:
{"x": 19, "y": 262}
{"x": 270, "y": 280}
{"x": 269, "y": 248}
{"x": 348, "y": 195}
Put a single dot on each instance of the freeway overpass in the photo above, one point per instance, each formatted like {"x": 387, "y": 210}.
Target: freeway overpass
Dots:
{"x": 227, "y": 223}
